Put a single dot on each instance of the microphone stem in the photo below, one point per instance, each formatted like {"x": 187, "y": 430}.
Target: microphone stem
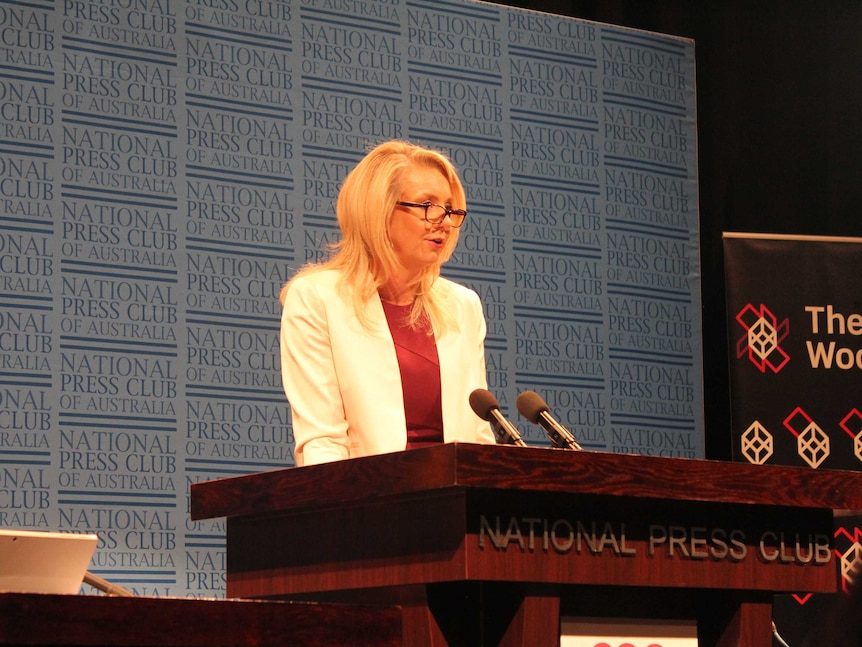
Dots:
{"x": 561, "y": 436}
{"x": 507, "y": 428}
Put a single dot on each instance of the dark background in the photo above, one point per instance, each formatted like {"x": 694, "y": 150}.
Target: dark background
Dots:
{"x": 779, "y": 99}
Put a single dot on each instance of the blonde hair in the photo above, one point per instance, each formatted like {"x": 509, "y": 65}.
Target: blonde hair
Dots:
{"x": 365, "y": 254}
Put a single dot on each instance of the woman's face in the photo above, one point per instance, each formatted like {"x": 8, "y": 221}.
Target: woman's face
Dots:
{"x": 418, "y": 243}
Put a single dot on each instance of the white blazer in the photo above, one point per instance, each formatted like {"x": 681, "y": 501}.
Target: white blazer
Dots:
{"x": 343, "y": 382}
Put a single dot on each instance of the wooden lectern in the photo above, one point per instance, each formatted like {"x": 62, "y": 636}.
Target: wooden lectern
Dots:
{"x": 492, "y": 545}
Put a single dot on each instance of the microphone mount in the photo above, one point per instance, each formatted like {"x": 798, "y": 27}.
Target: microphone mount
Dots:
{"x": 531, "y": 405}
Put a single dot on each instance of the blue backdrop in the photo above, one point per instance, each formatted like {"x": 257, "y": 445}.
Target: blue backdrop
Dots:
{"x": 166, "y": 166}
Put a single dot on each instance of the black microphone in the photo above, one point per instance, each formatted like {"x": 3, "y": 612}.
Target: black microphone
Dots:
{"x": 531, "y": 405}
{"x": 485, "y": 406}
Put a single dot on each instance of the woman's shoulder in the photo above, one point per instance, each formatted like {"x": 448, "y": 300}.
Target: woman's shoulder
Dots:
{"x": 452, "y": 295}
{"x": 313, "y": 280}
{"x": 316, "y": 277}
{"x": 448, "y": 288}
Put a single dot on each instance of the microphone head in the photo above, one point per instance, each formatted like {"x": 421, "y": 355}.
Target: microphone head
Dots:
{"x": 483, "y": 402}
{"x": 530, "y": 404}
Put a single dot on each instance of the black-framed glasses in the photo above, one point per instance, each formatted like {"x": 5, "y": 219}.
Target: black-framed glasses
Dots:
{"x": 436, "y": 213}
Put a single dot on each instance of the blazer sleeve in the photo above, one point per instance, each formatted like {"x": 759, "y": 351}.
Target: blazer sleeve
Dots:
{"x": 483, "y": 431}
{"x": 462, "y": 368}
{"x": 309, "y": 376}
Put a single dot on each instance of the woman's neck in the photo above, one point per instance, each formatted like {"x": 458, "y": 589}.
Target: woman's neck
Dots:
{"x": 404, "y": 299}
{"x": 399, "y": 293}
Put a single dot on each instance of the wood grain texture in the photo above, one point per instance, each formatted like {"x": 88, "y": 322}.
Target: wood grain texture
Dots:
{"x": 72, "y": 620}
{"x": 530, "y": 469}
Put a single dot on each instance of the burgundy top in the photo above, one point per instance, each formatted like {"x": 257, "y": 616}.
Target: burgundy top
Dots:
{"x": 420, "y": 377}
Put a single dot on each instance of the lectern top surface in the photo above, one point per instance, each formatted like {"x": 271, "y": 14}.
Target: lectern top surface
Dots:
{"x": 538, "y": 470}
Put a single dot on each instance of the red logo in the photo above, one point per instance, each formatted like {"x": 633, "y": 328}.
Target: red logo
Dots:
{"x": 762, "y": 338}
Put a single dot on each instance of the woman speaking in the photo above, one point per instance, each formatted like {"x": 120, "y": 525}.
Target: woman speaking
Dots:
{"x": 379, "y": 353}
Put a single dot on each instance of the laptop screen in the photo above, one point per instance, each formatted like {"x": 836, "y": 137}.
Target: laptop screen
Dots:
{"x": 34, "y": 561}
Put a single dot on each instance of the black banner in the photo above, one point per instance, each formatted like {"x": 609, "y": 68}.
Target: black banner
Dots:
{"x": 794, "y": 313}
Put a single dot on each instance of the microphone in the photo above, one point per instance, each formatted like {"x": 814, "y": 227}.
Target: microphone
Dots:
{"x": 531, "y": 405}
{"x": 485, "y": 406}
